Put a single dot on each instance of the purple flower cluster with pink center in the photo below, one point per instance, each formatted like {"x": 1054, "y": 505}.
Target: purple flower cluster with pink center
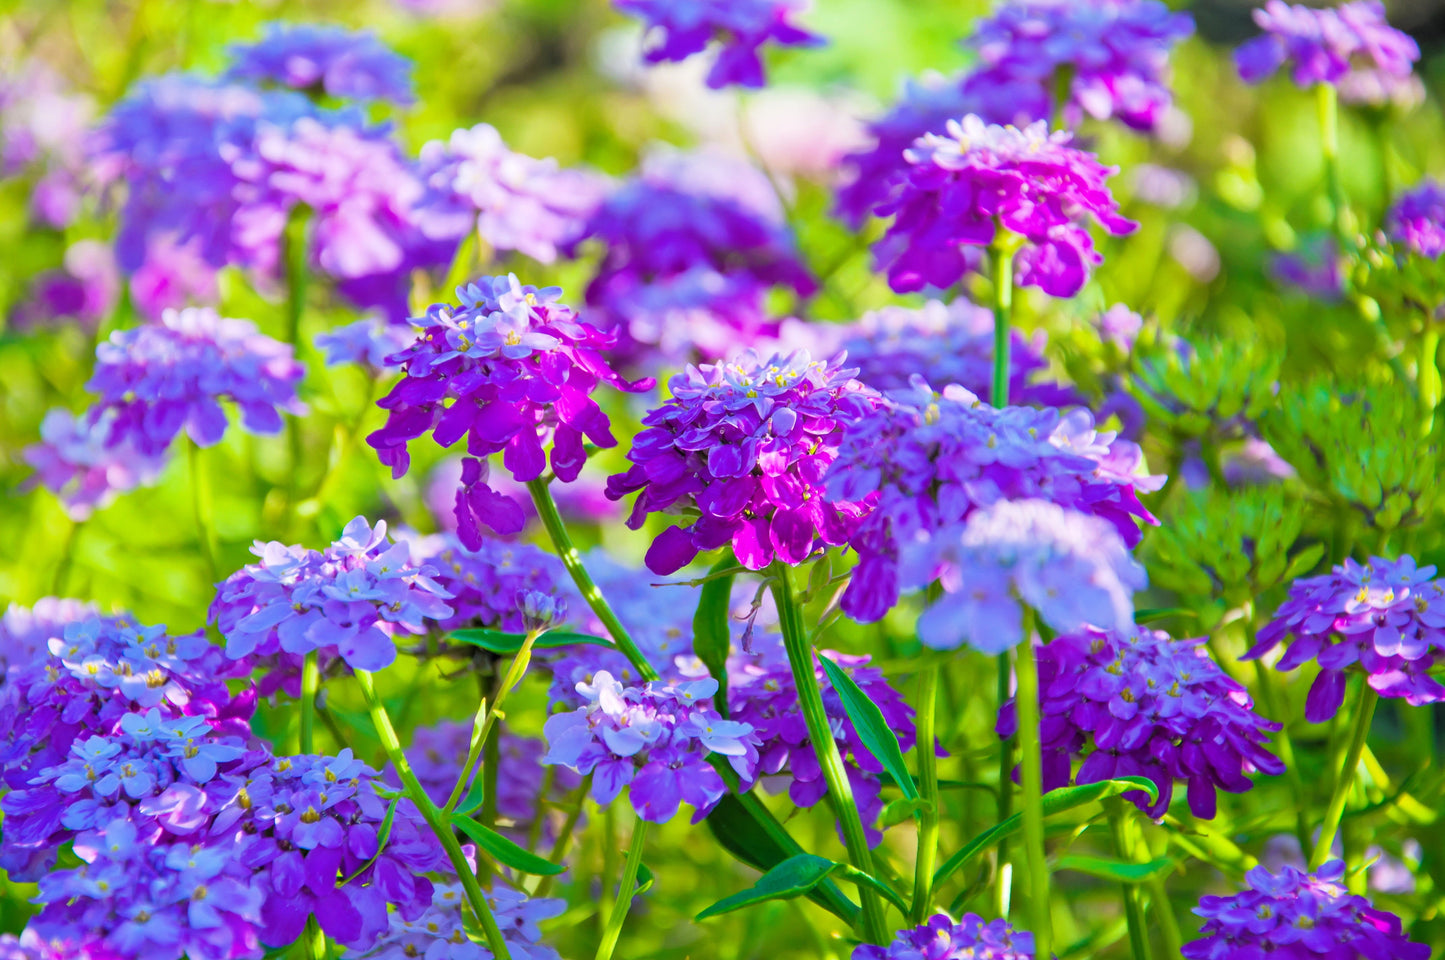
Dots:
{"x": 681, "y": 28}
{"x": 1325, "y": 45}
{"x": 1417, "y": 219}
{"x": 1385, "y": 618}
{"x": 346, "y": 64}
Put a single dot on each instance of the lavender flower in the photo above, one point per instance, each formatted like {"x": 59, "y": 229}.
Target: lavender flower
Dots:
{"x": 1113, "y": 53}
{"x": 1325, "y": 45}
{"x": 688, "y": 27}
{"x": 351, "y": 600}
{"x": 31, "y": 946}
{"x": 84, "y": 290}
{"x": 513, "y": 201}
{"x": 347, "y": 64}
{"x": 1384, "y": 617}
{"x": 1417, "y": 219}
{"x": 1072, "y": 568}
{"x": 1294, "y": 915}
{"x": 439, "y": 932}
{"x": 942, "y": 939}
{"x": 654, "y": 739}
{"x": 519, "y": 369}
{"x": 73, "y": 462}
{"x": 746, "y": 444}
{"x": 25, "y": 632}
{"x": 158, "y": 379}
{"x": 1314, "y": 270}
{"x": 964, "y": 187}
{"x": 367, "y": 343}
{"x": 929, "y": 462}
{"x": 42, "y": 135}
{"x": 1140, "y": 703}
{"x": 172, "y": 275}
{"x": 486, "y": 585}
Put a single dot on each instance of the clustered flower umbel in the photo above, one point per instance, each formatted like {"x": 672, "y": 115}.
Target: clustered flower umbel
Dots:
{"x": 1294, "y": 915}
{"x": 746, "y": 443}
{"x": 1385, "y": 618}
{"x": 159, "y": 379}
{"x": 474, "y": 181}
{"x": 346, "y": 64}
{"x": 486, "y": 586}
{"x": 941, "y": 939}
{"x": 963, "y": 188}
{"x": 439, "y": 932}
{"x": 1136, "y": 702}
{"x": 928, "y": 461}
{"x": 653, "y": 739}
{"x": 368, "y": 343}
{"x": 349, "y": 601}
{"x": 1071, "y": 568}
{"x": 74, "y": 462}
{"x": 31, "y": 946}
{"x": 1114, "y": 55}
{"x": 1326, "y": 45}
{"x": 510, "y": 370}
{"x": 681, "y": 28}
{"x": 1417, "y": 219}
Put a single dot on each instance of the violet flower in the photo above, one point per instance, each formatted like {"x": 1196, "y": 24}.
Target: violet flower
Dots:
{"x": 681, "y": 28}
{"x": 964, "y": 187}
{"x": 83, "y": 290}
{"x": 31, "y": 946}
{"x": 942, "y": 939}
{"x": 367, "y": 343}
{"x": 1385, "y": 618}
{"x": 440, "y": 933}
{"x": 510, "y": 369}
{"x": 1324, "y": 45}
{"x": 346, "y": 64}
{"x": 1139, "y": 703}
{"x": 1417, "y": 219}
{"x": 74, "y": 462}
{"x": 746, "y": 444}
{"x": 351, "y": 600}
{"x": 158, "y": 379}
{"x": 485, "y": 586}
{"x": 1294, "y": 915}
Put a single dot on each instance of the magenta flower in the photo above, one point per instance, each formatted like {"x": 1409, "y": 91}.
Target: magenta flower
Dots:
{"x": 1385, "y": 617}
{"x": 1417, "y": 219}
{"x": 83, "y": 290}
{"x": 964, "y": 187}
{"x": 942, "y": 939}
{"x": 745, "y": 444}
{"x": 682, "y": 28}
{"x": 511, "y": 370}
{"x": 73, "y": 461}
{"x": 346, "y": 64}
{"x": 1325, "y": 45}
{"x": 1294, "y": 915}
{"x": 31, "y": 946}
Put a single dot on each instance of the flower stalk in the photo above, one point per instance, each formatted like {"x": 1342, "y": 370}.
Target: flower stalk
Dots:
{"x": 1031, "y": 776}
{"x": 927, "y": 855}
{"x": 1363, "y": 710}
{"x": 625, "y": 891}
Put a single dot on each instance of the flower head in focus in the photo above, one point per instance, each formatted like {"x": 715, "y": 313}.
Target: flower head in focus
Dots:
{"x": 510, "y": 369}
{"x": 1325, "y": 45}
{"x": 681, "y": 28}
{"x": 1417, "y": 219}
{"x": 441, "y": 933}
{"x": 74, "y": 462}
{"x": 487, "y": 586}
{"x": 966, "y": 186}
{"x": 346, "y": 64}
{"x": 158, "y": 379}
{"x": 745, "y": 444}
{"x": 1294, "y": 915}
{"x": 941, "y": 939}
{"x": 1385, "y": 617}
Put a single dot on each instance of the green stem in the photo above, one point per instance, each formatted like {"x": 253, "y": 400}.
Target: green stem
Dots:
{"x": 201, "y": 507}
{"x": 820, "y": 732}
{"x": 462, "y": 263}
{"x": 314, "y": 940}
{"x": 625, "y": 891}
{"x": 1133, "y": 908}
{"x": 1282, "y": 740}
{"x": 66, "y": 559}
{"x": 1168, "y": 923}
{"x": 1004, "y": 802}
{"x": 928, "y": 787}
{"x": 310, "y": 684}
{"x": 516, "y": 670}
{"x": 293, "y": 252}
{"x": 1428, "y": 376}
{"x": 1328, "y": 108}
{"x": 1363, "y": 710}
{"x": 434, "y": 818}
{"x": 572, "y": 560}
{"x": 1031, "y": 775}
{"x": 564, "y": 838}
{"x": 534, "y": 830}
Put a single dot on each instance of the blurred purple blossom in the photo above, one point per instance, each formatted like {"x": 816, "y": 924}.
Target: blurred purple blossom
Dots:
{"x": 74, "y": 461}
{"x": 346, "y": 64}
{"x": 42, "y": 134}
{"x": 1314, "y": 270}
{"x": 1417, "y": 219}
{"x": 367, "y": 342}
{"x": 1325, "y": 45}
{"x": 83, "y": 289}
{"x": 678, "y": 29}
{"x": 439, "y": 933}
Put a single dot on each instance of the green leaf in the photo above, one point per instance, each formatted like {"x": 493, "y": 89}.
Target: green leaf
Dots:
{"x": 645, "y": 879}
{"x": 712, "y": 638}
{"x": 1151, "y": 614}
{"x": 476, "y": 795}
{"x": 382, "y": 836}
{"x": 1303, "y": 562}
{"x": 498, "y": 642}
{"x": 793, "y": 877}
{"x": 748, "y": 839}
{"x": 1118, "y": 870}
{"x": 873, "y": 730}
{"x": 872, "y": 882}
{"x": 904, "y": 808}
{"x": 1055, "y": 801}
{"x": 504, "y": 851}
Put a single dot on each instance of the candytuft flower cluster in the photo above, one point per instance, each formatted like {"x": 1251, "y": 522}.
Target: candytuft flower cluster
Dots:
{"x": 1325, "y": 45}
{"x": 687, "y": 27}
{"x": 346, "y": 64}
{"x": 942, "y": 939}
{"x": 1417, "y": 219}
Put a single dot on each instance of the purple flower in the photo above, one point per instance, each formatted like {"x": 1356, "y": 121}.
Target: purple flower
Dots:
{"x": 693, "y": 243}
{"x": 367, "y": 343}
{"x": 25, "y": 632}
{"x": 964, "y": 187}
{"x": 1417, "y": 219}
{"x": 42, "y": 135}
{"x": 1114, "y": 54}
{"x": 513, "y": 201}
{"x": 439, "y": 933}
{"x": 1073, "y": 569}
{"x": 1325, "y": 45}
{"x": 741, "y": 27}
{"x": 350, "y": 600}
{"x": 942, "y": 939}
{"x": 510, "y": 369}
{"x": 1314, "y": 271}
{"x": 172, "y": 275}
{"x": 346, "y": 64}
{"x": 1294, "y": 915}
{"x": 158, "y": 379}
{"x": 928, "y": 462}
{"x": 31, "y": 946}
{"x": 745, "y": 444}
{"x": 1120, "y": 326}
{"x": 83, "y": 290}
{"x": 486, "y": 585}
{"x": 1139, "y": 703}
{"x": 73, "y": 461}
{"x": 654, "y": 738}
{"x": 1384, "y": 617}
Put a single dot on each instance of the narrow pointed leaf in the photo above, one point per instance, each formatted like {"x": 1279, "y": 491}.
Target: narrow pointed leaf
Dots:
{"x": 504, "y": 851}
{"x": 793, "y": 877}
{"x": 712, "y": 638}
{"x": 873, "y": 730}
{"x": 1117, "y": 870}
{"x": 476, "y": 795}
{"x": 382, "y": 836}
{"x": 1151, "y": 614}
{"x": 499, "y": 642}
